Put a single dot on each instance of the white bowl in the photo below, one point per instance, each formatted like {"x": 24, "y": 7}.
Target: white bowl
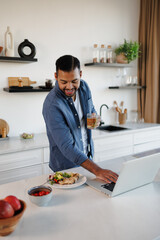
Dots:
{"x": 40, "y": 200}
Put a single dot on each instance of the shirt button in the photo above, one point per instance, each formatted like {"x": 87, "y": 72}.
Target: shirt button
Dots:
{"x": 75, "y": 114}
{"x": 78, "y": 126}
{"x": 71, "y": 103}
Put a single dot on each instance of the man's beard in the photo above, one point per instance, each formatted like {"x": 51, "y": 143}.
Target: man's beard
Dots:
{"x": 70, "y": 92}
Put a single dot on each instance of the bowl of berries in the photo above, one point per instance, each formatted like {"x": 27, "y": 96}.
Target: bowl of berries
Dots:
{"x": 40, "y": 195}
{"x": 11, "y": 211}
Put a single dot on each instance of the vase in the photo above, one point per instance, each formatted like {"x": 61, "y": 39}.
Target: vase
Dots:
{"x": 9, "y": 43}
{"x": 121, "y": 58}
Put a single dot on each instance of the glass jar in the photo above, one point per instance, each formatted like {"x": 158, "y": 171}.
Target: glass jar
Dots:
{"x": 95, "y": 53}
{"x": 102, "y": 54}
{"x": 109, "y": 54}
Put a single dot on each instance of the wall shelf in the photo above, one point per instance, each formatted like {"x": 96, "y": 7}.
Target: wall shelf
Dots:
{"x": 116, "y": 65}
{"x": 127, "y": 87}
{"x": 17, "y": 59}
{"x": 36, "y": 89}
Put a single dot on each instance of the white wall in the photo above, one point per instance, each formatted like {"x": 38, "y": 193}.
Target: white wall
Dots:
{"x": 58, "y": 27}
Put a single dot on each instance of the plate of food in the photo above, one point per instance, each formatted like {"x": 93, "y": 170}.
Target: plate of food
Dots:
{"x": 66, "y": 180}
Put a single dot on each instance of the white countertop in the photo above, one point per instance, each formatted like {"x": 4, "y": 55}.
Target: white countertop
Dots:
{"x": 15, "y": 144}
{"x": 84, "y": 213}
{"x": 131, "y": 128}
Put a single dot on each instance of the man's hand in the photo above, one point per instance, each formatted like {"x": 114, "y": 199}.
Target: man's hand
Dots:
{"x": 107, "y": 175}
{"x": 97, "y": 121}
{"x": 103, "y": 174}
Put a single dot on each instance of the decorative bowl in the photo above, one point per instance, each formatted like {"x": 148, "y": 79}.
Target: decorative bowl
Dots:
{"x": 8, "y": 225}
{"x": 27, "y": 135}
{"x": 42, "y": 200}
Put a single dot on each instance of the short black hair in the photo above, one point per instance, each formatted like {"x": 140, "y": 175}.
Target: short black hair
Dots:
{"x": 67, "y": 63}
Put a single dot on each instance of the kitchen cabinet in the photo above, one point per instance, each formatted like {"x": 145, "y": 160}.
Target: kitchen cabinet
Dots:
{"x": 24, "y": 164}
{"x": 21, "y": 159}
{"x": 112, "y": 147}
{"x": 146, "y": 140}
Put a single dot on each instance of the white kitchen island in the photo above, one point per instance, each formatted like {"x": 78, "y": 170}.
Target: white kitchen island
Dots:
{"x": 86, "y": 214}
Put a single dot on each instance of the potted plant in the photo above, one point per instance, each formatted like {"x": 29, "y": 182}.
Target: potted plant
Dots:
{"x": 127, "y": 52}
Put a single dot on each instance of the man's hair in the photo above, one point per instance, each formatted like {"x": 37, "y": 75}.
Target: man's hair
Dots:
{"x": 67, "y": 63}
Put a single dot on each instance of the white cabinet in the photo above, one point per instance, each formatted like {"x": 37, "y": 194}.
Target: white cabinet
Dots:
{"x": 131, "y": 142}
{"x": 46, "y": 168}
{"x": 34, "y": 160}
{"x": 24, "y": 164}
{"x": 112, "y": 147}
{"x": 20, "y": 173}
{"x": 146, "y": 140}
{"x": 20, "y": 159}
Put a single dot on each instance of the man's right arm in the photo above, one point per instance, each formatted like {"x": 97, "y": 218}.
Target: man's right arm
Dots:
{"x": 103, "y": 174}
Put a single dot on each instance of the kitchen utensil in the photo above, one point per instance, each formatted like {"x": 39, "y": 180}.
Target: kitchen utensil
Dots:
{"x": 14, "y": 81}
{"x": 8, "y": 225}
{"x": 125, "y": 110}
{"x": 4, "y": 124}
{"x": 122, "y": 104}
{"x": 122, "y": 118}
{"x": 20, "y": 82}
{"x": 115, "y": 104}
{"x": 118, "y": 109}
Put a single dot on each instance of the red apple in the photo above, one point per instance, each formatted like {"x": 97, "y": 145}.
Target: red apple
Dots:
{"x": 6, "y": 210}
{"x": 14, "y": 201}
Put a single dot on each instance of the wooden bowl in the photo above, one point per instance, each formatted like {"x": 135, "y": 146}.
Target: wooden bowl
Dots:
{"x": 8, "y": 225}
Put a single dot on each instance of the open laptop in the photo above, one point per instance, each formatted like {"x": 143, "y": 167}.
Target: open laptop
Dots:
{"x": 134, "y": 173}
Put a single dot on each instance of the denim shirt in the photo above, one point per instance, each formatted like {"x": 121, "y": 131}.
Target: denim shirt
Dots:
{"x": 63, "y": 127}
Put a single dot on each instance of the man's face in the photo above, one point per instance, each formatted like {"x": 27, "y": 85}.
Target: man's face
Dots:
{"x": 69, "y": 82}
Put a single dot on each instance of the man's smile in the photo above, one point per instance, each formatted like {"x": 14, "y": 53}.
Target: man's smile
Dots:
{"x": 70, "y": 91}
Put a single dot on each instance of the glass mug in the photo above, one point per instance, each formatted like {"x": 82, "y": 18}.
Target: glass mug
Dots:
{"x": 92, "y": 119}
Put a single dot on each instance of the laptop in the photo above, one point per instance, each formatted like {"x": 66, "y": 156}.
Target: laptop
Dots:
{"x": 134, "y": 173}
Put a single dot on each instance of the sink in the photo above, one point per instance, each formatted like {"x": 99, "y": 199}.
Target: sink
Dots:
{"x": 111, "y": 128}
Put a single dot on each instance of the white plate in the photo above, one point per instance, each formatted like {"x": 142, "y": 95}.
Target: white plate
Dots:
{"x": 82, "y": 179}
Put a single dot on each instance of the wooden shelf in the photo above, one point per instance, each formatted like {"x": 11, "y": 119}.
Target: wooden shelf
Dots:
{"x": 36, "y": 89}
{"x": 127, "y": 87}
{"x": 116, "y": 65}
{"x": 17, "y": 59}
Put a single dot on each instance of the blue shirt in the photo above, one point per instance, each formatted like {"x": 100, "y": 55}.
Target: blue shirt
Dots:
{"x": 63, "y": 127}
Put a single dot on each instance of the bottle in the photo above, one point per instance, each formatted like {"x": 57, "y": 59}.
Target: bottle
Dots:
{"x": 109, "y": 54}
{"x": 95, "y": 53}
{"x": 102, "y": 54}
{"x": 9, "y": 43}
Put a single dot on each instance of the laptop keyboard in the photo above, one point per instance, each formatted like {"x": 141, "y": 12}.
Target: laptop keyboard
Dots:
{"x": 109, "y": 186}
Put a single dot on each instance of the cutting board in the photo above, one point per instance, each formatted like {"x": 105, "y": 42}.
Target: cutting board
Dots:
{"x": 15, "y": 81}
{"x": 4, "y": 124}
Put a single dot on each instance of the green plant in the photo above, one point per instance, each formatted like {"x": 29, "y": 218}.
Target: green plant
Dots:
{"x": 129, "y": 49}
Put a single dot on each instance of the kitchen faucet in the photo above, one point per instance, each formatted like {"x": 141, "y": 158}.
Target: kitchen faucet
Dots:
{"x": 101, "y": 122}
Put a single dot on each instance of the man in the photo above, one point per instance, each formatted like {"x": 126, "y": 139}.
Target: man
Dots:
{"x": 65, "y": 113}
